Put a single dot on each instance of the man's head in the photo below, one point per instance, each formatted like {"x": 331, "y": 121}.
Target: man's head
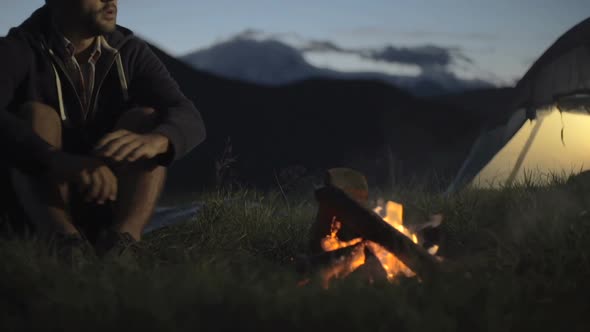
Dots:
{"x": 92, "y": 17}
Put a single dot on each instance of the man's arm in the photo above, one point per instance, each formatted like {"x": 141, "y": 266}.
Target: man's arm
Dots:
{"x": 21, "y": 147}
{"x": 152, "y": 85}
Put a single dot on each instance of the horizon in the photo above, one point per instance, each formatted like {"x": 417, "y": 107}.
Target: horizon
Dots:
{"x": 498, "y": 40}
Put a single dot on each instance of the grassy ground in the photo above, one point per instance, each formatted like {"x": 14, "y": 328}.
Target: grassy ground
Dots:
{"x": 521, "y": 258}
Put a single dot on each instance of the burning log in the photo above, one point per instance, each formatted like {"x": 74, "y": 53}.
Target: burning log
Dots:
{"x": 355, "y": 259}
{"x": 429, "y": 232}
{"x": 348, "y": 236}
{"x": 354, "y": 184}
{"x": 305, "y": 264}
{"x": 370, "y": 226}
{"x": 345, "y": 265}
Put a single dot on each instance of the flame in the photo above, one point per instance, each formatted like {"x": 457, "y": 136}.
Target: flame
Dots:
{"x": 433, "y": 250}
{"x": 344, "y": 266}
{"x": 394, "y": 217}
{"x": 331, "y": 241}
{"x": 391, "y": 264}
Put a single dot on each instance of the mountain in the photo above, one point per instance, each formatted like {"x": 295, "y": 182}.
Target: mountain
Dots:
{"x": 313, "y": 125}
{"x": 492, "y": 106}
{"x": 273, "y": 62}
{"x": 267, "y": 62}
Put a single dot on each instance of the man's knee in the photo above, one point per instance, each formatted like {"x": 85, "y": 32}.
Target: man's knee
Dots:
{"x": 139, "y": 120}
{"x": 44, "y": 121}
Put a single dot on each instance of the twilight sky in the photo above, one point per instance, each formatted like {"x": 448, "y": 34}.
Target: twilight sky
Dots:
{"x": 501, "y": 37}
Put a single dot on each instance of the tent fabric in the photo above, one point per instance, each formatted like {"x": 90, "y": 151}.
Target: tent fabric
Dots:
{"x": 485, "y": 148}
{"x": 565, "y": 76}
{"x": 563, "y": 70}
{"x": 559, "y": 147}
{"x": 556, "y": 86}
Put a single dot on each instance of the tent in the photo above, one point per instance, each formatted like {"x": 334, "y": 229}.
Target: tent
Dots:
{"x": 546, "y": 127}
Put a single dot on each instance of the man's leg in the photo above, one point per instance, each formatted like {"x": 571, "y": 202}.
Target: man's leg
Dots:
{"x": 139, "y": 183}
{"x": 44, "y": 200}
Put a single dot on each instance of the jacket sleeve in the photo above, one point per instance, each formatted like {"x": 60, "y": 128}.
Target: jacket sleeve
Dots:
{"x": 152, "y": 85}
{"x": 22, "y": 148}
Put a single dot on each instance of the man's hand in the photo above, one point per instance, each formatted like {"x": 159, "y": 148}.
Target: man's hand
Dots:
{"x": 92, "y": 176}
{"x": 124, "y": 145}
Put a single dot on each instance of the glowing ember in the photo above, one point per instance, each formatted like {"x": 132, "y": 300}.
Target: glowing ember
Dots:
{"x": 391, "y": 264}
{"x": 433, "y": 250}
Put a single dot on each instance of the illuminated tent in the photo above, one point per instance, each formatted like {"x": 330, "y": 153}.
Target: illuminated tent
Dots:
{"x": 547, "y": 128}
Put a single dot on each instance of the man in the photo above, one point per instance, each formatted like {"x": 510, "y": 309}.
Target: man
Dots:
{"x": 89, "y": 121}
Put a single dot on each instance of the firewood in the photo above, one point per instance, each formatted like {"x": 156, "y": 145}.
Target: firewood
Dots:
{"x": 308, "y": 263}
{"x": 354, "y": 184}
{"x": 356, "y": 261}
{"x": 370, "y": 226}
{"x": 371, "y": 271}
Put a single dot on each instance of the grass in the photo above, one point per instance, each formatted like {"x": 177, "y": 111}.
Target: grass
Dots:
{"x": 520, "y": 256}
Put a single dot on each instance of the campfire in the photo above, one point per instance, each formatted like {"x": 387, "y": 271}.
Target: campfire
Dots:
{"x": 347, "y": 234}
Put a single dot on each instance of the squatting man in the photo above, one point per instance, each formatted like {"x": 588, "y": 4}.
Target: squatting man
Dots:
{"x": 90, "y": 119}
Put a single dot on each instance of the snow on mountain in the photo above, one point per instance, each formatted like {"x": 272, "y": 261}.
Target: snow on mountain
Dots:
{"x": 271, "y": 60}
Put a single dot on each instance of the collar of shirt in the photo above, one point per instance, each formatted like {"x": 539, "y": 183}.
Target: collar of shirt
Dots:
{"x": 70, "y": 50}
{"x": 96, "y": 51}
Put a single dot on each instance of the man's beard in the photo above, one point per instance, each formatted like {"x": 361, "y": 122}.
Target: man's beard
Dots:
{"x": 96, "y": 25}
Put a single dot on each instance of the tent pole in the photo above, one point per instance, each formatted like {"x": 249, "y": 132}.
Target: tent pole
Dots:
{"x": 525, "y": 150}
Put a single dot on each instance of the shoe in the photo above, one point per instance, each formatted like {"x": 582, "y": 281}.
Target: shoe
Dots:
{"x": 72, "y": 249}
{"x": 111, "y": 243}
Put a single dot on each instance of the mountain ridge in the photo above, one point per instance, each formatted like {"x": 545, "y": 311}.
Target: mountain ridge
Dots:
{"x": 273, "y": 62}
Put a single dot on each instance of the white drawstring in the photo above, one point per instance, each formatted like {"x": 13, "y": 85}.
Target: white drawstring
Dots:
{"x": 120, "y": 72}
{"x": 120, "y": 69}
{"x": 60, "y": 96}
{"x": 122, "y": 78}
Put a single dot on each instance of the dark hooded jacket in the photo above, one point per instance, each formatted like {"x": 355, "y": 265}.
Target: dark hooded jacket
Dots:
{"x": 128, "y": 74}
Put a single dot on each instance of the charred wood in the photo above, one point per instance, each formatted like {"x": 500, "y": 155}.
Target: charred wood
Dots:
{"x": 370, "y": 226}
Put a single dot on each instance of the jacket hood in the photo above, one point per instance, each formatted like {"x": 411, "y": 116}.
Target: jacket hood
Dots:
{"x": 40, "y": 32}
{"x": 38, "y": 27}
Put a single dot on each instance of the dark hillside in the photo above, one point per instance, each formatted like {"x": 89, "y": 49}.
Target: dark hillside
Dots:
{"x": 317, "y": 124}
